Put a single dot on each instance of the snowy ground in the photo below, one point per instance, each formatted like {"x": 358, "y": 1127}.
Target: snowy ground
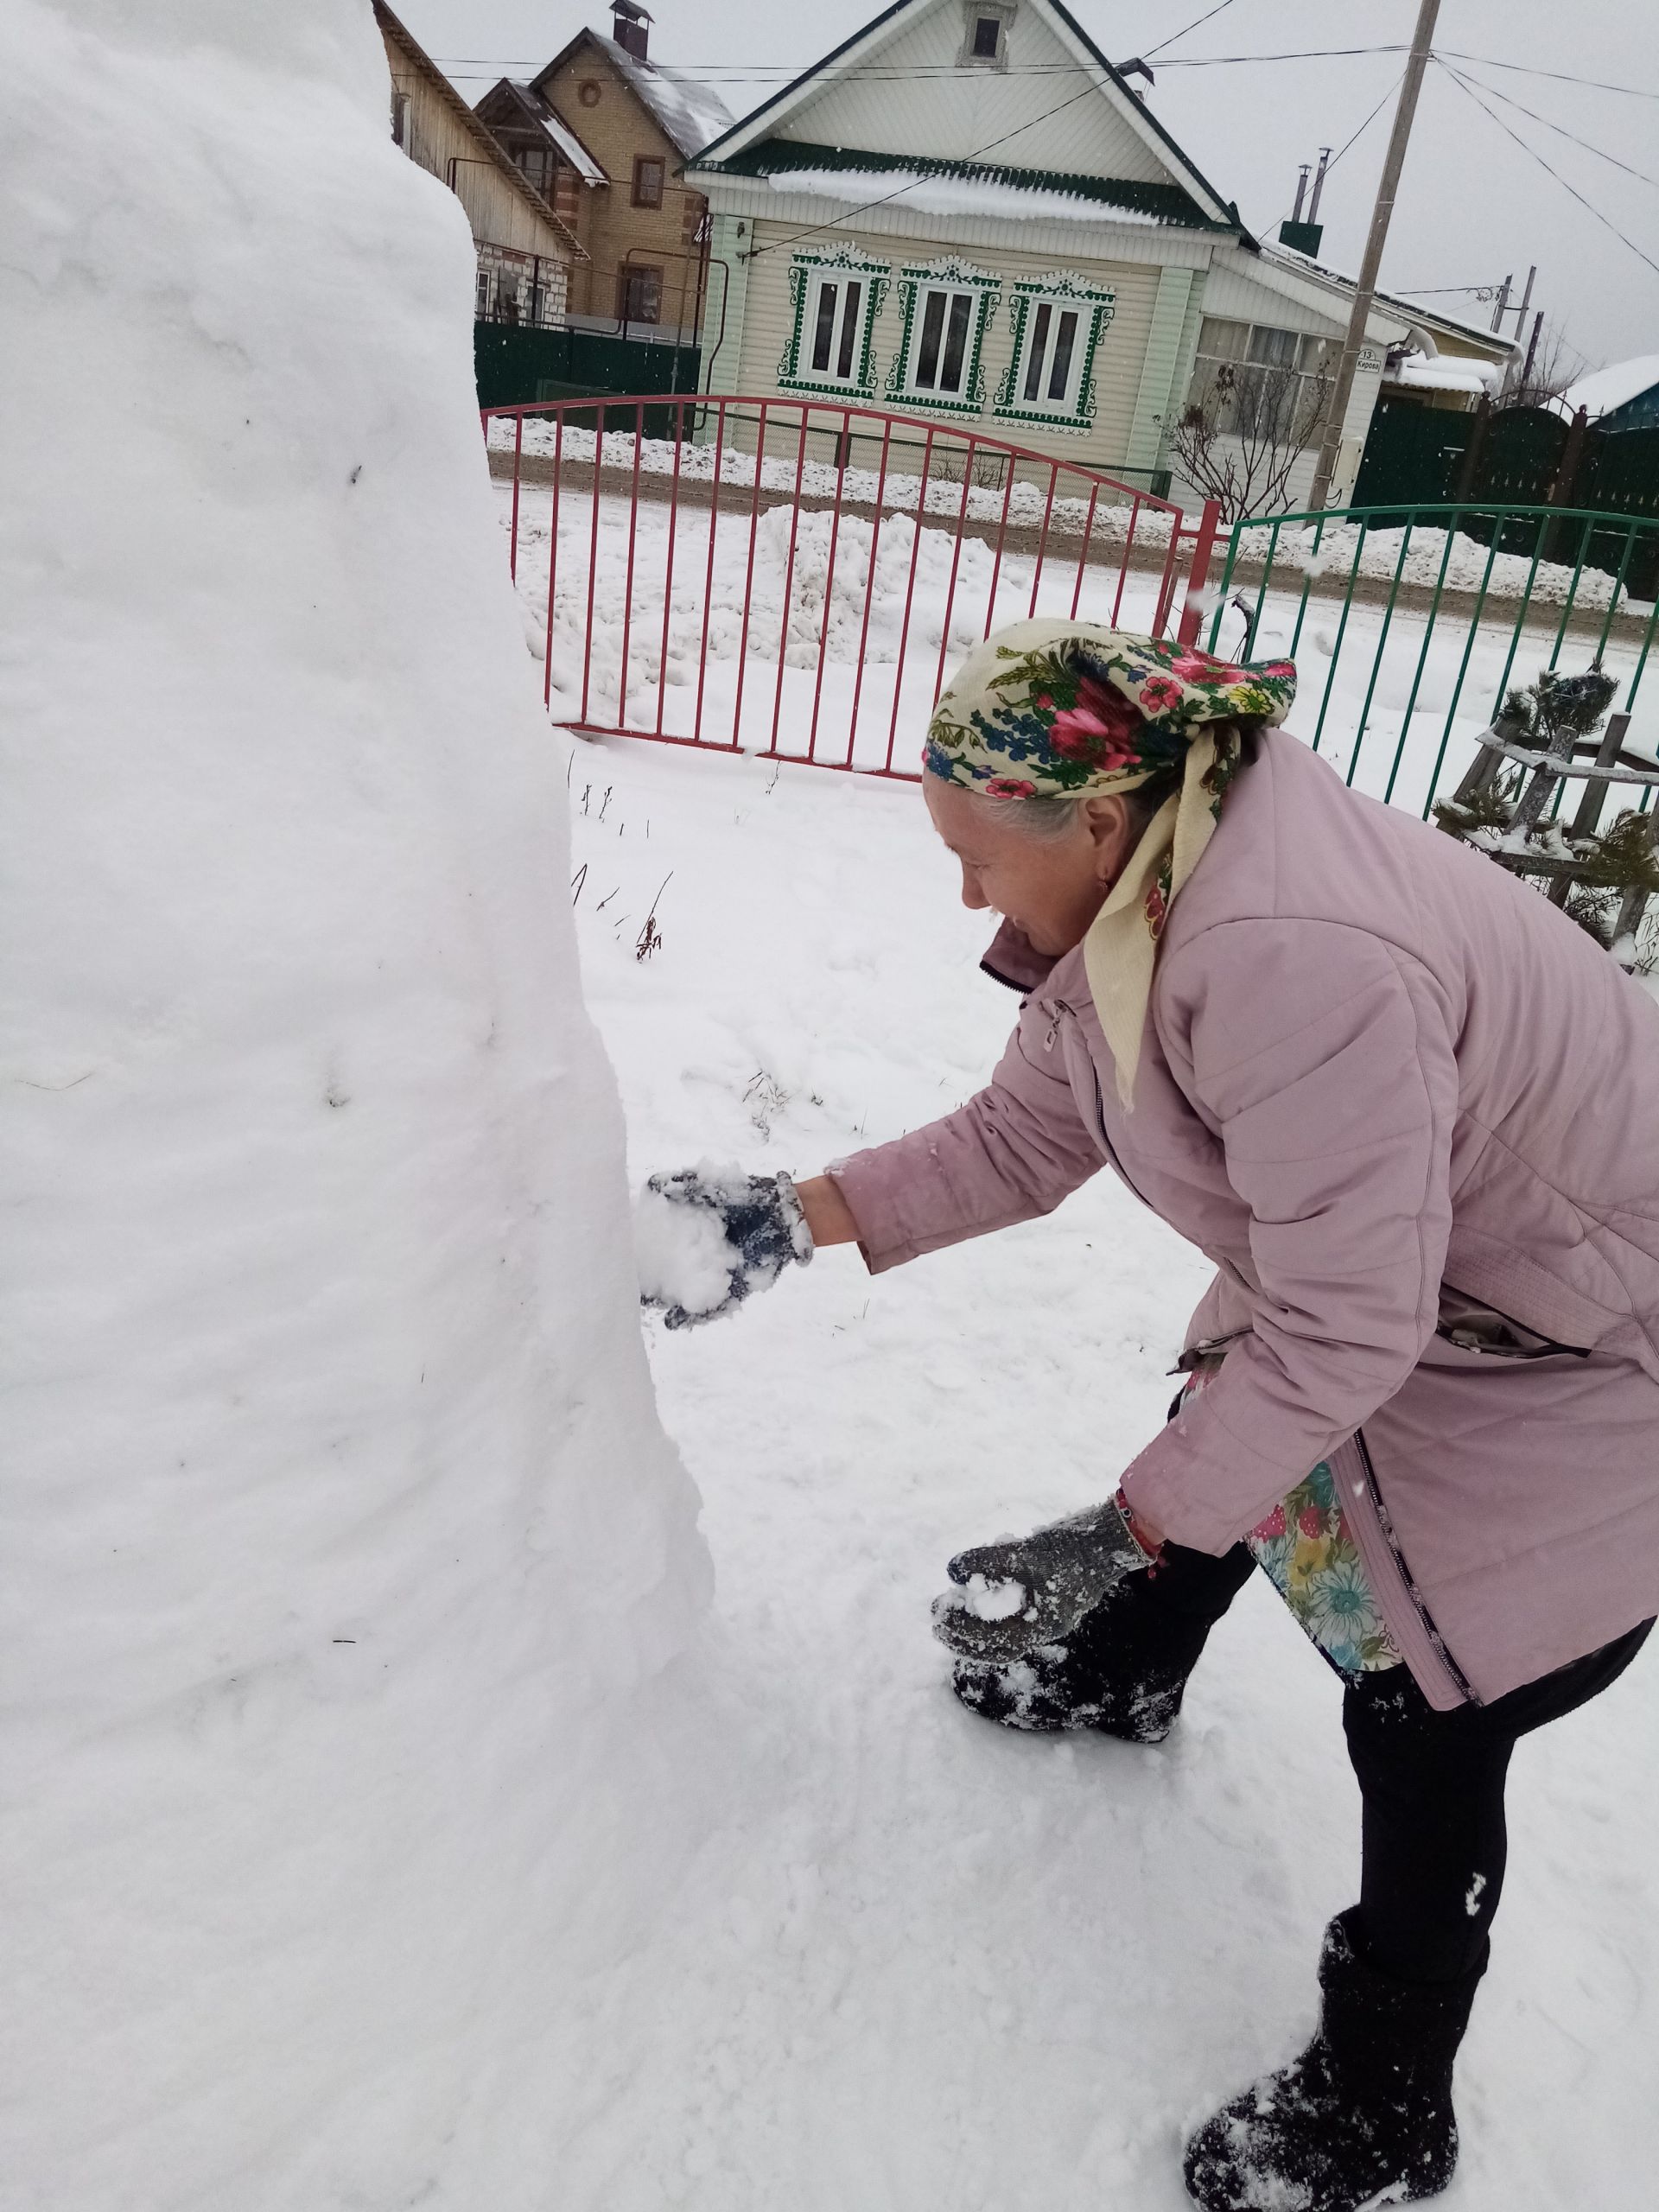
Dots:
{"x": 1469, "y": 565}
{"x": 701, "y": 616}
{"x": 926, "y": 1963}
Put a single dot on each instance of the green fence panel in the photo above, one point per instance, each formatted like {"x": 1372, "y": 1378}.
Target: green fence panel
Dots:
{"x": 1413, "y": 452}
{"x": 1411, "y": 621}
{"x": 518, "y": 365}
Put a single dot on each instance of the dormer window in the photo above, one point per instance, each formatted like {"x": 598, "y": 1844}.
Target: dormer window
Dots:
{"x": 985, "y": 33}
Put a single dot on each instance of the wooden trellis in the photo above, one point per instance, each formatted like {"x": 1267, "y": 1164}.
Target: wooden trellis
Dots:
{"x": 1528, "y": 838}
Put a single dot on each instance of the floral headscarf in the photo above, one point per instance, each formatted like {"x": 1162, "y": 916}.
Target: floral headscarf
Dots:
{"x": 1054, "y": 709}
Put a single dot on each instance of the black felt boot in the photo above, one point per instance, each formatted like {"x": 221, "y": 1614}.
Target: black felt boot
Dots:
{"x": 1363, "y": 2117}
{"x": 1123, "y": 1668}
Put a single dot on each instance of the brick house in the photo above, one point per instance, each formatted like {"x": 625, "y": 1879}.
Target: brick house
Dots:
{"x": 605, "y": 133}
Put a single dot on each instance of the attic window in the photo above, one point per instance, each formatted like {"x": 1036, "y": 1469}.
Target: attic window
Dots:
{"x": 985, "y": 33}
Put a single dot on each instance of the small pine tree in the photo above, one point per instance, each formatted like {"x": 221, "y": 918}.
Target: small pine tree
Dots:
{"x": 1551, "y": 714}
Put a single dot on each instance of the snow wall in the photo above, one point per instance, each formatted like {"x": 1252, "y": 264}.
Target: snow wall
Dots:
{"x": 343, "y": 1557}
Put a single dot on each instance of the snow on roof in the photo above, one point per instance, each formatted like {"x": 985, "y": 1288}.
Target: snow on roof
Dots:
{"x": 561, "y": 133}
{"x": 1604, "y": 390}
{"x": 955, "y": 195}
{"x": 693, "y": 115}
{"x": 1304, "y": 264}
{"x": 1445, "y": 373}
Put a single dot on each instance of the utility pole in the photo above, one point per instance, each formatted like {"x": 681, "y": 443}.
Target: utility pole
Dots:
{"x": 1364, "y": 292}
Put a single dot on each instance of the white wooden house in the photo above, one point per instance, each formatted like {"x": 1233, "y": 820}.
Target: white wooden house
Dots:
{"x": 965, "y": 212}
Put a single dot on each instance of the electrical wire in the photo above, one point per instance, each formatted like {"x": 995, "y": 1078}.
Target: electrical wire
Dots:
{"x": 835, "y": 222}
{"x": 1151, "y": 51}
{"x": 1464, "y": 86}
{"x": 1588, "y": 144}
{"x": 1352, "y": 141}
{"x": 477, "y": 66}
{"x": 1558, "y": 76}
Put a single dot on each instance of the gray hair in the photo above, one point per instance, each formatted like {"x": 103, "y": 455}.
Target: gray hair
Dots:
{"x": 1050, "y": 819}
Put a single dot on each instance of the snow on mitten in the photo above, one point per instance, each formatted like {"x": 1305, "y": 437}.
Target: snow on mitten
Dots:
{"x": 1010, "y": 1596}
{"x": 706, "y": 1237}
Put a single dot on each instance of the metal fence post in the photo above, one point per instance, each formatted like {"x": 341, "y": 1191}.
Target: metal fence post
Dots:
{"x": 1203, "y": 546}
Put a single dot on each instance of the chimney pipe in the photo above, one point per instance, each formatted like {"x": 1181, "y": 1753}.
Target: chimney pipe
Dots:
{"x": 1302, "y": 176}
{"x": 631, "y": 27}
{"x": 1318, "y": 184}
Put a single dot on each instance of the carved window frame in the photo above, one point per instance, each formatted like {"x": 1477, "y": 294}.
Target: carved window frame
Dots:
{"x": 806, "y": 272}
{"x": 1094, "y": 305}
{"x": 948, "y": 273}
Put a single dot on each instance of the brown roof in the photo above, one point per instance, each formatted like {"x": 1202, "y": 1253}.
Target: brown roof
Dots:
{"x": 424, "y": 66}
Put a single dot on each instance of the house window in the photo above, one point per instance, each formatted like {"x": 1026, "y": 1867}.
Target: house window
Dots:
{"x": 588, "y": 92}
{"x": 638, "y": 295}
{"x": 400, "y": 120}
{"x": 482, "y": 296}
{"x": 647, "y": 181}
{"x": 837, "y": 298}
{"x": 539, "y": 165}
{"x": 985, "y": 33}
{"x": 947, "y": 307}
{"x": 1263, "y": 381}
{"x": 1056, "y": 326}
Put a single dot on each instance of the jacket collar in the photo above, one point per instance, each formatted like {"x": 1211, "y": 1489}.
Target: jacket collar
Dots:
{"x": 1014, "y": 960}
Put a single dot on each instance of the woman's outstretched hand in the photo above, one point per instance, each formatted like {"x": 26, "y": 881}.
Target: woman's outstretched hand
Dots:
{"x": 706, "y": 1236}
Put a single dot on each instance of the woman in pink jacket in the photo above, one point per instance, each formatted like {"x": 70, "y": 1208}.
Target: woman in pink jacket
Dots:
{"x": 1408, "y": 1111}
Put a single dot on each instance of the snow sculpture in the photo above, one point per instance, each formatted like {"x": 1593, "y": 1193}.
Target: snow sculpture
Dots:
{"x": 343, "y": 1553}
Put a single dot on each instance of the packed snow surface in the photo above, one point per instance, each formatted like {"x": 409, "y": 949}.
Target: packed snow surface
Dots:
{"x": 682, "y": 1253}
{"x": 343, "y": 1557}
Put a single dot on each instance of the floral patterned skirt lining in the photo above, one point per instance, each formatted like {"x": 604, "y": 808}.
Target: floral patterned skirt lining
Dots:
{"x": 1306, "y": 1550}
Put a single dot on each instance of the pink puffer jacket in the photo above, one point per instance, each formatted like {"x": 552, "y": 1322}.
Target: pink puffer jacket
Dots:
{"x": 1379, "y": 1075}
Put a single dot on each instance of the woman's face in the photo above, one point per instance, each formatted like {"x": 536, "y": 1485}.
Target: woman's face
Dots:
{"x": 1051, "y": 888}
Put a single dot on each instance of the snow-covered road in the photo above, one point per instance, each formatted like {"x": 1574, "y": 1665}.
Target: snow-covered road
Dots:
{"x": 925, "y": 1963}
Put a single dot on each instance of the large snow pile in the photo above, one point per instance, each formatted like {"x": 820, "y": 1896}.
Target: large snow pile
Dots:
{"x": 343, "y": 1555}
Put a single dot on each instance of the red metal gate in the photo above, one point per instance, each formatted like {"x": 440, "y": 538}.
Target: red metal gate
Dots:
{"x": 794, "y": 579}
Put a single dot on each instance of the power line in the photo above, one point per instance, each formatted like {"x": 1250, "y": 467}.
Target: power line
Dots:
{"x": 1354, "y": 139}
{"x": 834, "y": 222}
{"x": 1558, "y": 76}
{"x": 475, "y": 66}
{"x": 1155, "y": 50}
{"x": 1588, "y": 144}
{"x": 1466, "y": 87}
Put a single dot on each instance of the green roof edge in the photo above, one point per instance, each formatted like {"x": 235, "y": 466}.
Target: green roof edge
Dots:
{"x": 1170, "y": 203}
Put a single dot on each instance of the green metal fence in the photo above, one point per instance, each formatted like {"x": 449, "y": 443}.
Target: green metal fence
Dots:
{"x": 1408, "y": 624}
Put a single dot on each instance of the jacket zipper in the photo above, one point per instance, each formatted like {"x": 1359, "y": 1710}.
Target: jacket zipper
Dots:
{"x": 1386, "y": 1523}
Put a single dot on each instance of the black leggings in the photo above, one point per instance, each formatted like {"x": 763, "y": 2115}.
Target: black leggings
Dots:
{"x": 1431, "y": 1784}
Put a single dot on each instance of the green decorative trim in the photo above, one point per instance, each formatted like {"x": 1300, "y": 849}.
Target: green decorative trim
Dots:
{"x": 959, "y": 275}
{"x": 1165, "y": 203}
{"x": 849, "y": 261}
{"x": 1059, "y": 284}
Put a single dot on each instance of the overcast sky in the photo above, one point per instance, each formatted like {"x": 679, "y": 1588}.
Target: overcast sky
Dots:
{"x": 1473, "y": 204}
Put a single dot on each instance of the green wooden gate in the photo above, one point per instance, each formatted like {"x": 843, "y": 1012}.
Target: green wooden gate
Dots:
{"x": 517, "y": 364}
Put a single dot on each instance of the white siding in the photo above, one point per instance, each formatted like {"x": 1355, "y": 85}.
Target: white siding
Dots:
{"x": 950, "y": 113}
{"x": 768, "y": 320}
{"x": 1238, "y": 297}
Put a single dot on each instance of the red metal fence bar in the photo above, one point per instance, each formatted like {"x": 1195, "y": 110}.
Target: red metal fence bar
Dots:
{"x": 1024, "y": 527}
